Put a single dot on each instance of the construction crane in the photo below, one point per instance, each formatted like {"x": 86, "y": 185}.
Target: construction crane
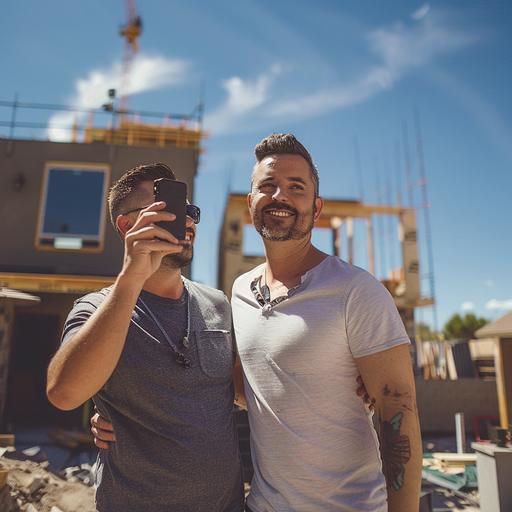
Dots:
{"x": 134, "y": 132}
{"x": 131, "y": 32}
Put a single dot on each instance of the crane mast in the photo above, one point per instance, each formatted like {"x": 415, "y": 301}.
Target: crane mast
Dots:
{"x": 131, "y": 32}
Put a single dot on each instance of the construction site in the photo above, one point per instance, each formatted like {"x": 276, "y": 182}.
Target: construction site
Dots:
{"x": 57, "y": 245}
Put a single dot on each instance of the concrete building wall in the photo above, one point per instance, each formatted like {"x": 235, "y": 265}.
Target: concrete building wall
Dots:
{"x": 439, "y": 400}
{"x": 22, "y": 164}
{"x": 6, "y": 314}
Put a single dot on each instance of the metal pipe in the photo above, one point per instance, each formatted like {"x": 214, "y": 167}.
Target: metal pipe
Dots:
{"x": 460, "y": 432}
{"x": 68, "y": 108}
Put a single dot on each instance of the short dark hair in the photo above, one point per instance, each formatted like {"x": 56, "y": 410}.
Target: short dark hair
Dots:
{"x": 286, "y": 144}
{"x": 128, "y": 183}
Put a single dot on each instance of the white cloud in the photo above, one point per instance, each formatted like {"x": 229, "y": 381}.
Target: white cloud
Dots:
{"x": 467, "y": 306}
{"x": 399, "y": 48}
{"x": 421, "y": 12}
{"x": 147, "y": 73}
{"x": 243, "y": 97}
{"x": 498, "y": 304}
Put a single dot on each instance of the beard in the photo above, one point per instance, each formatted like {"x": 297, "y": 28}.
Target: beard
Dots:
{"x": 180, "y": 259}
{"x": 272, "y": 228}
{"x": 183, "y": 258}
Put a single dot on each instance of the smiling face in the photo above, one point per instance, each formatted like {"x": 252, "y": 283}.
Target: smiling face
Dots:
{"x": 282, "y": 202}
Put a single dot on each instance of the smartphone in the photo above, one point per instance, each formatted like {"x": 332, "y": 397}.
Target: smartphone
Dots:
{"x": 174, "y": 193}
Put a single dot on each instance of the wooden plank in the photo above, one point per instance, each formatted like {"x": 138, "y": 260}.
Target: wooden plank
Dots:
{"x": 6, "y": 440}
{"x": 506, "y": 353}
{"x": 459, "y": 458}
{"x": 54, "y": 282}
{"x": 500, "y": 366}
{"x": 3, "y": 477}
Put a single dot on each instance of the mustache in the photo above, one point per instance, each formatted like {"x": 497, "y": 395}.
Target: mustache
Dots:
{"x": 279, "y": 206}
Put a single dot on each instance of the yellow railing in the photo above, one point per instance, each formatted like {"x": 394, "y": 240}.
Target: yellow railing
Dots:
{"x": 149, "y": 135}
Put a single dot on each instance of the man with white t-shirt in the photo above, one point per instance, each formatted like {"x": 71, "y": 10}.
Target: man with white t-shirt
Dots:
{"x": 306, "y": 325}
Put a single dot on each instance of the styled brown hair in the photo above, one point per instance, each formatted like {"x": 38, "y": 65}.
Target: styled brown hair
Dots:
{"x": 286, "y": 144}
{"x": 128, "y": 183}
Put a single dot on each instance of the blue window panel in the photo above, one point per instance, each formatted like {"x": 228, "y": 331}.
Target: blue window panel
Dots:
{"x": 74, "y": 202}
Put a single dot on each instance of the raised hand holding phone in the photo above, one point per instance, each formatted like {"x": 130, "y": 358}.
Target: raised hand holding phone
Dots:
{"x": 146, "y": 243}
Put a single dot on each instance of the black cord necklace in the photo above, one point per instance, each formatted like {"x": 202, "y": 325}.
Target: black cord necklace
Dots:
{"x": 181, "y": 358}
{"x": 265, "y": 290}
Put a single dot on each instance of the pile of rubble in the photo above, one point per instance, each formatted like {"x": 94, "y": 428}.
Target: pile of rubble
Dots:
{"x": 29, "y": 486}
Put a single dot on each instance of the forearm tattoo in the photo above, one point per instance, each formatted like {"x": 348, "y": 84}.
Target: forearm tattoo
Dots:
{"x": 395, "y": 447}
{"x": 401, "y": 400}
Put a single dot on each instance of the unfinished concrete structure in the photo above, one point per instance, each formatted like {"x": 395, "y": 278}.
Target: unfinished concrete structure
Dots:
{"x": 57, "y": 241}
{"x": 10, "y": 301}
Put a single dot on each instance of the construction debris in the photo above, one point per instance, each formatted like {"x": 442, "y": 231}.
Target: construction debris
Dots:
{"x": 455, "y": 471}
{"x": 29, "y": 486}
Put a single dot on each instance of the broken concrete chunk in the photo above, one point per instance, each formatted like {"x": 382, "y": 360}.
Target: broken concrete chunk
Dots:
{"x": 36, "y": 485}
{"x": 30, "y": 483}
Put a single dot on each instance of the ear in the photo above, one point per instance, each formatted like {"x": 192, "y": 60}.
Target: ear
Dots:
{"x": 249, "y": 201}
{"x": 319, "y": 204}
{"x": 123, "y": 224}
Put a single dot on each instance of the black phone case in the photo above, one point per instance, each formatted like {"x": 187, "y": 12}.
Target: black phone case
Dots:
{"x": 174, "y": 193}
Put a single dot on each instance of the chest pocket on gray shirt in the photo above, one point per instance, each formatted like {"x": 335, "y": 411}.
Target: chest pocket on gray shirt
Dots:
{"x": 215, "y": 349}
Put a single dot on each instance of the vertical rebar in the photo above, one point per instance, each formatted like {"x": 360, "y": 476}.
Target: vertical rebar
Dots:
{"x": 408, "y": 167}
{"x": 426, "y": 213}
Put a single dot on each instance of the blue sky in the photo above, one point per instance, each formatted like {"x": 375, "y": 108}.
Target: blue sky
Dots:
{"x": 331, "y": 72}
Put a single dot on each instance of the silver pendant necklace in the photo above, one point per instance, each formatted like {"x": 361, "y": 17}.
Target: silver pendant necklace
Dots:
{"x": 262, "y": 294}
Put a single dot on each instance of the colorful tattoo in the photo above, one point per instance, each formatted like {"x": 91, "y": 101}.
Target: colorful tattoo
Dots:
{"x": 395, "y": 451}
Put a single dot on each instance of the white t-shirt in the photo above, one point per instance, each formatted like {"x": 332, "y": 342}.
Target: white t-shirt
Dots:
{"x": 313, "y": 444}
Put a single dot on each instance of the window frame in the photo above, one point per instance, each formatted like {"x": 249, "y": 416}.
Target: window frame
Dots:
{"x": 46, "y": 242}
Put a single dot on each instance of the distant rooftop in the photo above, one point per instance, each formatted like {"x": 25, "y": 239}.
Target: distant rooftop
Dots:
{"x": 501, "y": 328}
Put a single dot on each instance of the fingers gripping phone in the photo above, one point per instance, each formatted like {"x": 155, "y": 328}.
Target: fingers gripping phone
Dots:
{"x": 174, "y": 193}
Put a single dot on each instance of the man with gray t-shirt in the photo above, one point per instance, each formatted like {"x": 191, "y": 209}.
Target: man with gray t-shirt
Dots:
{"x": 306, "y": 325}
{"x": 155, "y": 352}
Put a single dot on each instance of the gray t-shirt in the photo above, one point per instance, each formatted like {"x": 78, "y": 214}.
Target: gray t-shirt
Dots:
{"x": 176, "y": 447}
{"x": 313, "y": 444}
